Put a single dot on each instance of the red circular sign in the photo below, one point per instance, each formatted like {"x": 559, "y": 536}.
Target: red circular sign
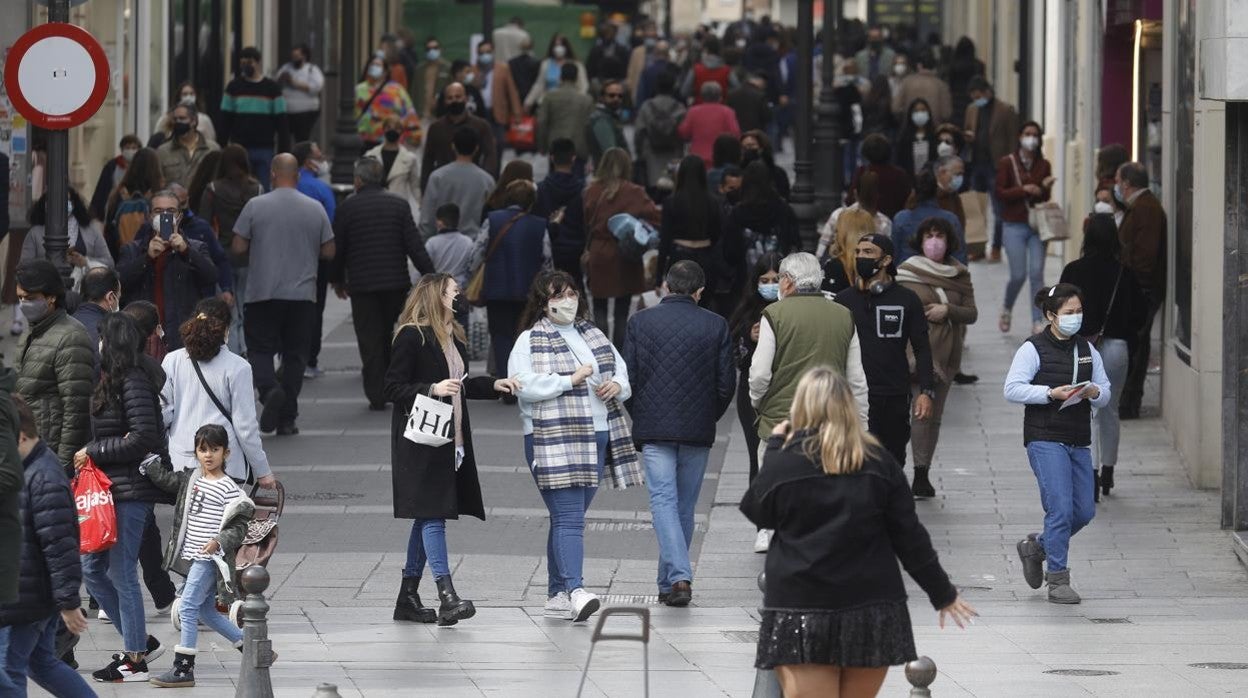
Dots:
{"x": 57, "y": 75}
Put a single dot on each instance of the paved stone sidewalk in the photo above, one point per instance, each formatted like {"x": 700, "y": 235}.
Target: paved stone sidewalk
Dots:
{"x": 1162, "y": 590}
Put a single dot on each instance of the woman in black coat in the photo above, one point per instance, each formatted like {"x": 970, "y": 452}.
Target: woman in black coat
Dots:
{"x": 125, "y": 411}
{"x": 432, "y": 484}
{"x": 834, "y": 612}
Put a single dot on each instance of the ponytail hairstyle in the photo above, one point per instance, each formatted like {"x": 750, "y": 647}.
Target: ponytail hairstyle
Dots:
{"x": 204, "y": 333}
{"x": 1051, "y": 299}
{"x": 825, "y": 412}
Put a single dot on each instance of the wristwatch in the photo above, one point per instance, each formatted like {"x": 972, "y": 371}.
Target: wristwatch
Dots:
{"x": 931, "y": 394}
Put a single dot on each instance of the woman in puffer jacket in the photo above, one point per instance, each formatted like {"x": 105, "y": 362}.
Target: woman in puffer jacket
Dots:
{"x": 126, "y": 413}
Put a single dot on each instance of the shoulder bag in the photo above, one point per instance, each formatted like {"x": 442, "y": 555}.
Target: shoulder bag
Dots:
{"x": 475, "y": 293}
{"x": 1046, "y": 218}
{"x": 251, "y": 478}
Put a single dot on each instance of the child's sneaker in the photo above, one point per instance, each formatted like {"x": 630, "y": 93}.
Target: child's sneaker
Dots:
{"x": 122, "y": 670}
{"x": 181, "y": 674}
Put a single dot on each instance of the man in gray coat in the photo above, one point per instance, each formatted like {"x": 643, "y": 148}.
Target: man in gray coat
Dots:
{"x": 564, "y": 113}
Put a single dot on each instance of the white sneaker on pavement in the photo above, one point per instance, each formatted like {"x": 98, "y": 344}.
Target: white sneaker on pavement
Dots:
{"x": 762, "y": 541}
{"x": 558, "y": 606}
{"x": 584, "y": 604}
{"x": 103, "y": 617}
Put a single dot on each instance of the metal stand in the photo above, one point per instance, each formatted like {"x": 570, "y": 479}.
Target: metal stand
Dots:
{"x": 347, "y": 142}
{"x": 828, "y": 166}
{"x": 644, "y": 638}
{"x": 803, "y": 197}
{"x": 921, "y": 673}
{"x": 254, "y": 680}
{"x": 56, "y": 232}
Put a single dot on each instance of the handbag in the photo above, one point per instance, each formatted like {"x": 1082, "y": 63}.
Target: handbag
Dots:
{"x": 260, "y": 541}
{"x": 251, "y": 478}
{"x": 522, "y": 134}
{"x": 431, "y": 422}
{"x": 1047, "y": 218}
{"x": 1095, "y": 339}
{"x": 475, "y": 293}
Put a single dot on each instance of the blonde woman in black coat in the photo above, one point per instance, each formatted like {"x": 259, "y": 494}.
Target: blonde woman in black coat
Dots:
{"x": 433, "y": 484}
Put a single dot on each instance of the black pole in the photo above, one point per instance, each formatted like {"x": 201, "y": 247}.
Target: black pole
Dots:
{"x": 803, "y": 198}
{"x": 487, "y": 20}
{"x": 667, "y": 19}
{"x": 56, "y": 234}
{"x": 346, "y": 137}
{"x": 827, "y": 145}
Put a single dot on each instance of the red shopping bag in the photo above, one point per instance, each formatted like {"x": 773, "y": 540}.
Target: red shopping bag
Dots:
{"x": 97, "y": 520}
{"x": 522, "y": 135}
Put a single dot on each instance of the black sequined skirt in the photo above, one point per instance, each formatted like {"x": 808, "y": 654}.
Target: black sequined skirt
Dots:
{"x": 877, "y": 635}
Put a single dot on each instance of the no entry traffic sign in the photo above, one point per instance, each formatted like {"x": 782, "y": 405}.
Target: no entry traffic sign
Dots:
{"x": 56, "y": 75}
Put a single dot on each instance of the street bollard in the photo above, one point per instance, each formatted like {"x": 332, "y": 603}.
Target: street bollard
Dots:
{"x": 921, "y": 673}
{"x": 254, "y": 680}
{"x": 766, "y": 685}
{"x": 327, "y": 690}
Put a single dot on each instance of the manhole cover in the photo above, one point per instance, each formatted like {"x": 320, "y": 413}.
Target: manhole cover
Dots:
{"x": 1110, "y": 621}
{"x": 324, "y": 496}
{"x": 1081, "y": 672}
{"x": 750, "y": 636}
{"x": 1219, "y": 665}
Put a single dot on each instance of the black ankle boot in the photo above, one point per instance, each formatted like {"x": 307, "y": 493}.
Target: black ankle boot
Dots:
{"x": 453, "y": 609}
{"x": 181, "y": 674}
{"x": 1096, "y": 485}
{"x": 922, "y": 486}
{"x": 1107, "y": 479}
{"x": 408, "y": 606}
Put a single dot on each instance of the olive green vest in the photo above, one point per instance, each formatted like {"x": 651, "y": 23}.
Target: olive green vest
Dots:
{"x": 811, "y": 330}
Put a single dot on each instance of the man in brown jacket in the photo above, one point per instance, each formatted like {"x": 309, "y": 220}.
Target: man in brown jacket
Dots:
{"x": 926, "y": 85}
{"x": 499, "y": 89}
{"x": 1143, "y": 237}
{"x": 992, "y": 132}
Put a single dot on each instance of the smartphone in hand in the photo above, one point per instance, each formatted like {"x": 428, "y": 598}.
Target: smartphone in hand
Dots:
{"x": 166, "y": 226}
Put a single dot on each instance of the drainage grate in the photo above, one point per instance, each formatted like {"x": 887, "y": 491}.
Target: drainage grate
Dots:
{"x": 748, "y": 636}
{"x": 1219, "y": 665}
{"x": 1081, "y": 672}
{"x": 629, "y": 526}
{"x": 1111, "y": 621}
{"x": 630, "y": 600}
{"x": 324, "y": 496}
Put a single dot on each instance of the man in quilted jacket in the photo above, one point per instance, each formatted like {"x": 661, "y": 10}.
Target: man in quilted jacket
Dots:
{"x": 684, "y": 380}
{"x": 55, "y": 362}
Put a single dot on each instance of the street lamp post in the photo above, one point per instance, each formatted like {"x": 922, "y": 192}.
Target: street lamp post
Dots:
{"x": 56, "y": 234}
{"x": 346, "y": 136}
{"x": 803, "y": 198}
{"x": 828, "y": 166}
{"x": 487, "y": 20}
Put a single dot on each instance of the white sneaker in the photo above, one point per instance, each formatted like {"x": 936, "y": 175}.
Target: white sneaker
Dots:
{"x": 762, "y": 541}
{"x": 584, "y": 604}
{"x": 164, "y": 611}
{"x": 558, "y": 606}
{"x": 103, "y": 617}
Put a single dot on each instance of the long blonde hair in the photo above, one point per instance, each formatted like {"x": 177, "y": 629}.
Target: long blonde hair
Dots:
{"x": 424, "y": 309}
{"x": 851, "y": 226}
{"x": 612, "y": 170}
{"x": 825, "y": 413}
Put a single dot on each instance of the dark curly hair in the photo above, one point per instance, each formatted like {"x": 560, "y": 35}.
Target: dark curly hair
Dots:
{"x": 204, "y": 333}
{"x": 547, "y": 285}
{"x": 940, "y": 225}
{"x": 122, "y": 343}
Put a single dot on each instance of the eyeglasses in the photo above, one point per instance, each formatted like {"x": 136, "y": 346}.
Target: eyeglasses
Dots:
{"x": 163, "y": 211}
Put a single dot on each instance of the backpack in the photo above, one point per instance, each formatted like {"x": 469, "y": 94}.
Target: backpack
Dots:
{"x": 129, "y": 217}
{"x": 661, "y": 129}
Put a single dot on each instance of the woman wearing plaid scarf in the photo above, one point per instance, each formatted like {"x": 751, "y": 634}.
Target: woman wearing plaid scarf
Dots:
{"x": 572, "y": 384}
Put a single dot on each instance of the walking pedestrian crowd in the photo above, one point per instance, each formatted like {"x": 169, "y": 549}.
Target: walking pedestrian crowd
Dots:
{"x": 655, "y": 275}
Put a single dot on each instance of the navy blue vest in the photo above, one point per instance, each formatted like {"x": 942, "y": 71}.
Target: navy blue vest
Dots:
{"x": 1062, "y": 362}
{"x": 518, "y": 259}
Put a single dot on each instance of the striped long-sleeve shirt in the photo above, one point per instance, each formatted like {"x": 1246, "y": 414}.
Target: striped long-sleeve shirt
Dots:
{"x": 206, "y": 505}
{"x": 253, "y": 114}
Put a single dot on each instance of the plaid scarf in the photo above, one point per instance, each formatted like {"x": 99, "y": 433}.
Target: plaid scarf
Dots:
{"x": 565, "y": 450}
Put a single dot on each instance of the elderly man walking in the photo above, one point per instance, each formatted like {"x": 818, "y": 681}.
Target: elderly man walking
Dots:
{"x": 802, "y": 330}
{"x": 374, "y": 236}
{"x": 685, "y": 379}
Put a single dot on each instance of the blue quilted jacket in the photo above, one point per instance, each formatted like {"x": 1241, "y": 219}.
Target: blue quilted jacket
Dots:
{"x": 680, "y": 364}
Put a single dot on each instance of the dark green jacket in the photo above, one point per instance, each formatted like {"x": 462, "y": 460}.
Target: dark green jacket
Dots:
{"x": 55, "y": 374}
{"x": 233, "y": 529}
{"x": 12, "y": 480}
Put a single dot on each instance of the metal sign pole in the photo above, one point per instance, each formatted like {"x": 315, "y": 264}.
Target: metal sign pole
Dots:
{"x": 56, "y": 234}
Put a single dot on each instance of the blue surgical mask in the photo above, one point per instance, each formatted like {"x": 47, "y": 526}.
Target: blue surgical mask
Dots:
{"x": 956, "y": 184}
{"x": 769, "y": 292}
{"x": 433, "y": 54}
{"x": 1118, "y": 193}
{"x": 981, "y": 102}
{"x": 1068, "y": 325}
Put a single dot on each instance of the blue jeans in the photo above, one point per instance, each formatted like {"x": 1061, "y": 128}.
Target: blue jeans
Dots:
{"x": 1064, "y": 474}
{"x": 565, "y": 544}
{"x": 427, "y": 542}
{"x": 984, "y": 178}
{"x": 1025, "y": 252}
{"x": 112, "y": 576}
{"x": 199, "y": 603}
{"x": 260, "y": 159}
{"x": 30, "y": 650}
{"x": 674, "y": 477}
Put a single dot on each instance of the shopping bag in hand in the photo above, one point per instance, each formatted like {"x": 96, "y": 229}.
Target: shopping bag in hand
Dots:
{"x": 97, "y": 519}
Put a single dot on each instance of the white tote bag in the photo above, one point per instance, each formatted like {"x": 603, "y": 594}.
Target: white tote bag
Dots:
{"x": 431, "y": 422}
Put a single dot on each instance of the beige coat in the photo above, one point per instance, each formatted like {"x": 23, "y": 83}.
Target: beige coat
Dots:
{"x": 404, "y": 178}
{"x": 924, "y": 278}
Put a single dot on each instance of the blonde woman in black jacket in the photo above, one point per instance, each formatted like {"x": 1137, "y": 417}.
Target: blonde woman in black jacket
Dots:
{"x": 128, "y": 426}
{"x": 834, "y": 612}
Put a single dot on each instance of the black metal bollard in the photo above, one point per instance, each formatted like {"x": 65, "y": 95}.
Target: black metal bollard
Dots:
{"x": 254, "y": 680}
{"x": 921, "y": 673}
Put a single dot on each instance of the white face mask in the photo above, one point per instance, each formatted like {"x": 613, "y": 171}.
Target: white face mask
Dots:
{"x": 563, "y": 310}
{"x": 944, "y": 150}
{"x": 920, "y": 118}
{"x": 375, "y": 72}
{"x": 560, "y": 51}
{"x": 188, "y": 99}
{"x": 322, "y": 168}
{"x": 1029, "y": 142}
{"x": 899, "y": 69}
{"x": 1103, "y": 207}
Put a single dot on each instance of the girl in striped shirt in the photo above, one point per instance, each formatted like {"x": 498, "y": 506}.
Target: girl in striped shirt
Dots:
{"x": 211, "y": 522}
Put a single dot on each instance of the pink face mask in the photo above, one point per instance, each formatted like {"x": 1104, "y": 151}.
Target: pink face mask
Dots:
{"x": 935, "y": 248}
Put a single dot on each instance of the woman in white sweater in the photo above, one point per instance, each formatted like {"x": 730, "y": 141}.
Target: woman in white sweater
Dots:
{"x": 220, "y": 392}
